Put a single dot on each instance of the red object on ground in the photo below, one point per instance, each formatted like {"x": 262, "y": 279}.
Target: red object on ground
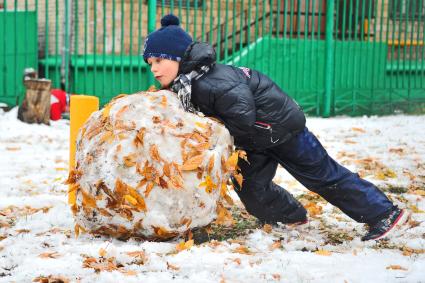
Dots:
{"x": 57, "y": 104}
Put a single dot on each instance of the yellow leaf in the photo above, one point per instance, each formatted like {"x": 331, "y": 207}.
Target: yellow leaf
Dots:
{"x": 108, "y": 136}
{"x": 78, "y": 229}
{"x": 415, "y": 209}
{"x": 102, "y": 252}
{"x": 162, "y": 232}
{"x": 208, "y": 184}
{"x": 201, "y": 125}
{"x": 106, "y": 110}
{"x": 184, "y": 245}
{"x": 192, "y": 163}
{"x": 139, "y": 199}
{"x": 323, "y": 252}
{"x": 419, "y": 192}
{"x": 131, "y": 200}
{"x": 242, "y": 250}
{"x": 313, "y": 209}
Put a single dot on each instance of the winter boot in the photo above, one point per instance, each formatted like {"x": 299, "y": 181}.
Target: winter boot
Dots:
{"x": 396, "y": 218}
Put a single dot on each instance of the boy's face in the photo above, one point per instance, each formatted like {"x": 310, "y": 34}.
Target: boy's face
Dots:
{"x": 164, "y": 70}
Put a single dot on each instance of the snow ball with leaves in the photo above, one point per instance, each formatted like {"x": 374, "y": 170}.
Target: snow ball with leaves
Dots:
{"x": 146, "y": 168}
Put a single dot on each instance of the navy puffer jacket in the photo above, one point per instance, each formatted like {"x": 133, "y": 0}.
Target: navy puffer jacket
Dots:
{"x": 257, "y": 113}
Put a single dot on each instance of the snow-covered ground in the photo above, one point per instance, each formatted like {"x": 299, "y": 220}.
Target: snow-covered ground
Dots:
{"x": 37, "y": 239}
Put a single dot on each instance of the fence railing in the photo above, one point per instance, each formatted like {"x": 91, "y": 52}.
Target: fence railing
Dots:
{"x": 349, "y": 57}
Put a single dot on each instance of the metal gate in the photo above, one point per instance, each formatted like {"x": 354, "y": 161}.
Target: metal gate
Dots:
{"x": 350, "y": 57}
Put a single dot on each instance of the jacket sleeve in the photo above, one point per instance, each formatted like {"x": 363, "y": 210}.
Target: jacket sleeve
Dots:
{"x": 234, "y": 104}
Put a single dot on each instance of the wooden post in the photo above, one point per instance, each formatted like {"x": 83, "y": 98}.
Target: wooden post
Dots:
{"x": 36, "y": 105}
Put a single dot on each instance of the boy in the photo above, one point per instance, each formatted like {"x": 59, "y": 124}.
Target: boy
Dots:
{"x": 270, "y": 127}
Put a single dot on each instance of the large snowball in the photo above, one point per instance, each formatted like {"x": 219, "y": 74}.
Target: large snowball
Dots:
{"x": 147, "y": 168}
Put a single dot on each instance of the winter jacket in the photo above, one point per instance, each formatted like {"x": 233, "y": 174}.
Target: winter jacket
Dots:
{"x": 257, "y": 113}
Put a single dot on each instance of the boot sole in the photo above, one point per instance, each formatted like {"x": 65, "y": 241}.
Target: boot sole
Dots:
{"x": 398, "y": 223}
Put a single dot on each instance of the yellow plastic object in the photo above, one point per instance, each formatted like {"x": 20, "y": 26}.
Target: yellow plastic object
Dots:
{"x": 82, "y": 106}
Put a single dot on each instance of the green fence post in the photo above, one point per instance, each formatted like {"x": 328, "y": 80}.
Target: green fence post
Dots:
{"x": 151, "y": 28}
{"x": 327, "y": 109}
{"x": 68, "y": 4}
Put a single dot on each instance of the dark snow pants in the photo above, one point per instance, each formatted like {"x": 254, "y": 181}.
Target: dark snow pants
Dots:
{"x": 305, "y": 158}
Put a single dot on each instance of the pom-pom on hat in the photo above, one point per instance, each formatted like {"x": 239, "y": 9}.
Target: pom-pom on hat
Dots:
{"x": 168, "y": 42}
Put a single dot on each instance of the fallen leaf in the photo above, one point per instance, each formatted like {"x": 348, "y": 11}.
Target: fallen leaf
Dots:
{"x": 396, "y": 267}
{"x": 208, "y": 184}
{"x": 184, "y": 245}
{"x": 242, "y": 250}
{"x": 275, "y": 245}
{"x": 192, "y": 163}
{"x": 267, "y": 228}
{"x": 232, "y": 161}
{"x": 49, "y": 255}
{"x": 10, "y": 148}
{"x": 51, "y": 279}
{"x": 358, "y": 130}
{"x": 172, "y": 267}
{"x": 323, "y": 252}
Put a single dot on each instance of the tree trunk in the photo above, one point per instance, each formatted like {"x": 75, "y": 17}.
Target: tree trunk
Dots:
{"x": 36, "y": 105}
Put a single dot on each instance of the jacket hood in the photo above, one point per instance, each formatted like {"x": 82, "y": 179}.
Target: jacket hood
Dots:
{"x": 196, "y": 55}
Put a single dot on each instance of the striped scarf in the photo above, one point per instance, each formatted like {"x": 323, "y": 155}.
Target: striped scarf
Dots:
{"x": 182, "y": 85}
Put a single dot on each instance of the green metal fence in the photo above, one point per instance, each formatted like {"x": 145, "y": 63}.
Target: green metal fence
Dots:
{"x": 349, "y": 57}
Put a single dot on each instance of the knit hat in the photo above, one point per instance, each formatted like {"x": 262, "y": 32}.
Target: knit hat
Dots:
{"x": 168, "y": 42}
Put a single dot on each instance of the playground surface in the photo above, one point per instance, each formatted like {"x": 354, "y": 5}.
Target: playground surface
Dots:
{"x": 37, "y": 240}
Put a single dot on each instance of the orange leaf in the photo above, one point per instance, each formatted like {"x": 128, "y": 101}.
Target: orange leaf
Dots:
{"x": 192, "y": 163}
{"x": 130, "y": 160}
{"x": 396, "y": 267}
{"x": 154, "y": 153}
{"x": 49, "y": 255}
{"x": 166, "y": 169}
{"x": 323, "y": 252}
{"x": 211, "y": 164}
{"x": 275, "y": 245}
{"x": 88, "y": 200}
{"x": 102, "y": 252}
{"x": 358, "y": 130}
{"x": 164, "y": 101}
{"x": 149, "y": 188}
{"x": 242, "y": 250}
{"x": 239, "y": 179}
{"x": 139, "y": 136}
{"x": 232, "y": 161}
